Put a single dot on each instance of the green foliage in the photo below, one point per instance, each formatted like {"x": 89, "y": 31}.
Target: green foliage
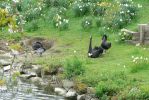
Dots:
{"x": 139, "y": 64}
{"x": 60, "y": 22}
{"x": 81, "y": 9}
{"x": 31, "y": 9}
{"x": 87, "y": 23}
{"x": 98, "y": 21}
{"x": 111, "y": 84}
{"x": 32, "y": 26}
{"x": 122, "y": 36}
{"x": 119, "y": 14}
{"x": 57, "y": 3}
{"x": 73, "y": 68}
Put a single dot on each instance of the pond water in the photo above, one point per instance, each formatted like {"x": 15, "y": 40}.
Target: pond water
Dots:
{"x": 23, "y": 91}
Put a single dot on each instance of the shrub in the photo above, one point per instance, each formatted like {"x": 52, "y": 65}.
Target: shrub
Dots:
{"x": 31, "y": 9}
{"x": 86, "y": 23}
{"x": 81, "y": 9}
{"x": 111, "y": 84}
{"x": 98, "y": 22}
{"x": 60, "y": 22}
{"x": 122, "y": 36}
{"x": 119, "y": 14}
{"x": 104, "y": 88}
{"x": 32, "y": 26}
{"x": 56, "y": 3}
{"x": 73, "y": 67}
{"x": 100, "y": 8}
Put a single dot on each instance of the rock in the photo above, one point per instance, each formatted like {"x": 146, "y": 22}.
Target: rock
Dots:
{"x": 81, "y": 97}
{"x": 94, "y": 99}
{"x": 91, "y": 90}
{"x": 7, "y": 68}
{"x": 36, "y": 79}
{"x": 28, "y": 76}
{"x": 3, "y": 88}
{"x": 67, "y": 84}
{"x": 17, "y": 65}
{"x": 4, "y": 62}
{"x": 88, "y": 97}
{"x": 5, "y": 56}
{"x": 2, "y": 51}
{"x": 60, "y": 91}
{"x": 38, "y": 70}
{"x": 71, "y": 94}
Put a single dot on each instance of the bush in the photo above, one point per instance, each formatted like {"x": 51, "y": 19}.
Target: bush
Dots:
{"x": 119, "y": 14}
{"x": 73, "y": 67}
{"x": 32, "y": 26}
{"x": 81, "y": 9}
{"x": 56, "y": 3}
{"x": 60, "y": 22}
{"x": 106, "y": 88}
{"x": 98, "y": 22}
{"x": 86, "y": 23}
{"x": 31, "y": 9}
{"x": 111, "y": 84}
{"x": 122, "y": 36}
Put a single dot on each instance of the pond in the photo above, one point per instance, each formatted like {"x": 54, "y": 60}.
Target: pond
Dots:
{"x": 22, "y": 91}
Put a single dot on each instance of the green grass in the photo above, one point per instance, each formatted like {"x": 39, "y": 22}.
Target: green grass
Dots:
{"x": 117, "y": 59}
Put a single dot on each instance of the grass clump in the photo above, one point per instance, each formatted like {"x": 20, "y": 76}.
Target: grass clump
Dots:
{"x": 111, "y": 84}
{"x": 73, "y": 68}
{"x": 139, "y": 64}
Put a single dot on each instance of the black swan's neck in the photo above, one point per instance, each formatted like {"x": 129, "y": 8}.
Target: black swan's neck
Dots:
{"x": 90, "y": 45}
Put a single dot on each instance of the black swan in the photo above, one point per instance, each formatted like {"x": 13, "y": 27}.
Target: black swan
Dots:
{"x": 105, "y": 45}
{"x": 38, "y": 48}
{"x": 95, "y": 52}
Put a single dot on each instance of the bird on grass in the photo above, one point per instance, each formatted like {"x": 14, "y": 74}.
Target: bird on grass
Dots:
{"x": 94, "y": 52}
{"x": 104, "y": 44}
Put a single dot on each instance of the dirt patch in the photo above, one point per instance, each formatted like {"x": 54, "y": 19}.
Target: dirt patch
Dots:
{"x": 47, "y": 44}
{"x": 4, "y": 45}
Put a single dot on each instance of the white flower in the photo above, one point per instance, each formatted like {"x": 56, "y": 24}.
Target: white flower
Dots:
{"x": 138, "y": 44}
{"x": 15, "y": 1}
{"x": 139, "y": 6}
{"x": 132, "y": 56}
{"x": 66, "y": 20}
{"x": 60, "y": 22}
{"x": 121, "y": 20}
{"x": 74, "y": 51}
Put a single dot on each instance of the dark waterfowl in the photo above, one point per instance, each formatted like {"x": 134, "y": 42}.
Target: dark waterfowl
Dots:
{"x": 105, "y": 45}
{"x": 94, "y": 52}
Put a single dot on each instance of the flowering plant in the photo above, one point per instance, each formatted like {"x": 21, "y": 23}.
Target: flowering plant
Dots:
{"x": 124, "y": 36}
{"x": 86, "y": 23}
{"x": 60, "y": 22}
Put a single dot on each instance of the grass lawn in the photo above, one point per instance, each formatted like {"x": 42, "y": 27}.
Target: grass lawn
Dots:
{"x": 116, "y": 60}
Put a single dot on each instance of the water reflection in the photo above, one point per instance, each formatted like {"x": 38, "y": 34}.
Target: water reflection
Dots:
{"x": 23, "y": 91}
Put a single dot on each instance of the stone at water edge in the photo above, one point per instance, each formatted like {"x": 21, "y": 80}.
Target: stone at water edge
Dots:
{"x": 71, "y": 94}
{"x": 7, "y": 68}
{"x": 36, "y": 79}
{"x": 4, "y": 62}
{"x": 3, "y": 88}
{"x": 28, "y": 76}
{"x": 81, "y": 97}
{"x": 67, "y": 84}
{"x": 60, "y": 91}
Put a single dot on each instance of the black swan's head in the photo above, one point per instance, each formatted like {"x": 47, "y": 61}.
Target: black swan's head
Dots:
{"x": 104, "y": 37}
